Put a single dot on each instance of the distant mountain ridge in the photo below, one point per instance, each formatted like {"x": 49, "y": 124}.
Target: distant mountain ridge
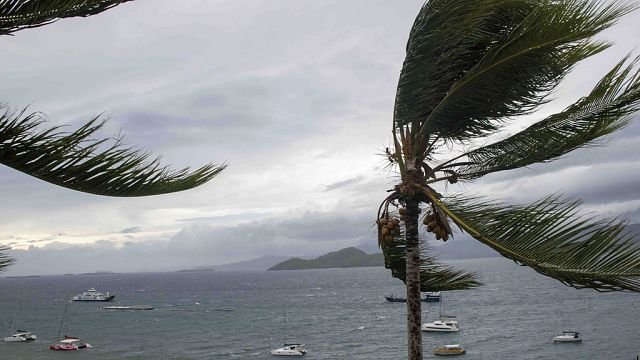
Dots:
{"x": 345, "y": 258}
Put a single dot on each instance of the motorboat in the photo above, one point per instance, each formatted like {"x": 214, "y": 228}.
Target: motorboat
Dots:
{"x": 442, "y": 325}
{"x": 93, "y": 295}
{"x": 568, "y": 336}
{"x": 21, "y": 336}
{"x": 69, "y": 343}
{"x": 433, "y": 296}
{"x": 429, "y": 297}
{"x": 447, "y": 350}
{"x": 290, "y": 350}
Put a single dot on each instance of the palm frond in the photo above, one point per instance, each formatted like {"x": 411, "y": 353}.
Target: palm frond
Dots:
{"x": 75, "y": 161}
{"x": 17, "y": 15}
{"x": 606, "y": 109}
{"x": 550, "y": 237}
{"x": 493, "y": 60}
{"x": 5, "y": 260}
{"x": 433, "y": 275}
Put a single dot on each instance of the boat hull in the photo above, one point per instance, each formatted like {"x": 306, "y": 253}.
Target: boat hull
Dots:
{"x": 289, "y": 350}
{"x": 105, "y": 299}
{"x": 448, "y": 352}
{"x": 429, "y": 329}
{"x": 559, "y": 339}
{"x": 21, "y": 338}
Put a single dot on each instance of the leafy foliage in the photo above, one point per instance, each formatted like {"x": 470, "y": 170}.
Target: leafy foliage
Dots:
{"x": 5, "y": 260}
{"x": 23, "y": 14}
{"x": 550, "y": 237}
{"x": 471, "y": 65}
{"x": 76, "y": 161}
{"x": 606, "y": 109}
{"x": 434, "y": 276}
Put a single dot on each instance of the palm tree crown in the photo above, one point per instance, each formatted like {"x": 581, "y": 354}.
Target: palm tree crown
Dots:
{"x": 470, "y": 68}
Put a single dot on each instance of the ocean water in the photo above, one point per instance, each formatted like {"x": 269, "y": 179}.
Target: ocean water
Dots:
{"x": 337, "y": 313}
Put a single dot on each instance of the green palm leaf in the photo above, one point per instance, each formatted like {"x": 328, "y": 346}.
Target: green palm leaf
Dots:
{"x": 604, "y": 110}
{"x": 514, "y": 53}
{"x": 5, "y": 260}
{"x": 550, "y": 237}
{"x": 433, "y": 275}
{"x": 23, "y": 14}
{"x": 75, "y": 161}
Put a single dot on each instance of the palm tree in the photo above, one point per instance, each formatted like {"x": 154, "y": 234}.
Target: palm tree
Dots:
{"x": 470, "y": 68}
{"x": 76, "y": 160}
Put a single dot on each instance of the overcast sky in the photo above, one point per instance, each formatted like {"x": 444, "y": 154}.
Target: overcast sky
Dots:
{"x": 296, "y": 96}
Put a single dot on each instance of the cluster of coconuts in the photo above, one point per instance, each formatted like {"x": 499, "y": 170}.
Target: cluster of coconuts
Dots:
{"x": 389, "y": 227}
{"x": 435, "y": 226}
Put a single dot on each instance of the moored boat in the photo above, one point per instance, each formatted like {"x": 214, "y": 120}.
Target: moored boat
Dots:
{"x": 442, "y": 325}
{"x": 93, "y": 295}
{"x": 21, "y": 336}
{"x": 429, "y": 297}
{"x": 70, "y": 343}
{"x": 290, "y": 350}
{"x": 447, "y": 350}
{"x": 568, "y": 336}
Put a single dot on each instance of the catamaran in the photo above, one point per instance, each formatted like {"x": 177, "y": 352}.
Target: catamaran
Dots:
{"x": 288, "y": 349}
{"x": 20, "y": 335}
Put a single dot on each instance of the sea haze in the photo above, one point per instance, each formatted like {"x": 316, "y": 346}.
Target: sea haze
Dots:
{"x": 337, "y": 313}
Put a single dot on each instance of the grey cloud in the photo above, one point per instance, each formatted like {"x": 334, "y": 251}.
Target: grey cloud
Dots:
{"x": 131, "y": 230}
{"x": 344, "y": 183}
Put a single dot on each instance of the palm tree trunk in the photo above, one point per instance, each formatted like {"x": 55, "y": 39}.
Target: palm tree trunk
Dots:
{"x": 414, "y": 310}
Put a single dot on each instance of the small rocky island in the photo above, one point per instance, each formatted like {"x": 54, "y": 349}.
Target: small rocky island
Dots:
{"x": 345, "y": 258}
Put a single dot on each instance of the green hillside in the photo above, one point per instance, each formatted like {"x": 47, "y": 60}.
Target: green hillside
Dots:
{"x": 345, "y": 258}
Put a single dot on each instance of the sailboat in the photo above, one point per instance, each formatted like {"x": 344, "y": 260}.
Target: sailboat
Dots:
{"x": 69, "y": 343}
{"x": 567, "y": 335}
{"x": 446, "y": 323}
{"x": 288, "y": 349}
{"x": 20, "y": 335}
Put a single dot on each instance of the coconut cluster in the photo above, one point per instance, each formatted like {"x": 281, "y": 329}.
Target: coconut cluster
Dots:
{"x": 388, "y": 228}
{"x": 435, "y": 225}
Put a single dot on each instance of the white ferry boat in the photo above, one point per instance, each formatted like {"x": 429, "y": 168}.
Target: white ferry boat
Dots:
{"x": 93, "y": 295}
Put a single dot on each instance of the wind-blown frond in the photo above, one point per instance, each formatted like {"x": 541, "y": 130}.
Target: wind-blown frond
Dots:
{"x": 472, "y": 64}
{"x": 75, "y": 161}
{"x": 433, "y": 275}
{"x": 604, "y": 110}
{"x": 23, "y": 14}
{"x": 5, "y": 260}
{"x": 551, "y": 238}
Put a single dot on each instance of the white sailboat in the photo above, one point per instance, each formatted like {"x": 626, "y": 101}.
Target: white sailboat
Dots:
{"x": 288, "y": 349}
{"x": 567, "y": 335}
{"x": 446, "y": 323}
{"x": 20, "y": 335}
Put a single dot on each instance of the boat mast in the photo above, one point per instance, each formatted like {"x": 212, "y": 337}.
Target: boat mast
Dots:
{"x": 284, "y": 322}
{"x": 15, "y": 318}
{"x": 64, "y": 313}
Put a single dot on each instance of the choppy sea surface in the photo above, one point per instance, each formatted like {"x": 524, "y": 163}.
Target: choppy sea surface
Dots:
{"x": 337, "y": 313}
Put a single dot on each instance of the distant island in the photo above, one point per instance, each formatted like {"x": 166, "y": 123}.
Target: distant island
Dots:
{"x": 196, "y": 269}
{"x": 345, "y": 258}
